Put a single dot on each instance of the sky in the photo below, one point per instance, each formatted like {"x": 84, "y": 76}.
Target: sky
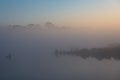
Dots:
{"x": 61, "y": 12}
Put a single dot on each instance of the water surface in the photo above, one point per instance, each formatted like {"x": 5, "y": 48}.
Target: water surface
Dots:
{"x": 33, "y": 58}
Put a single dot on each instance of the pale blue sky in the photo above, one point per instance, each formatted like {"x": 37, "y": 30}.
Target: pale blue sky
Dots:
{"x": 39, "y": 11}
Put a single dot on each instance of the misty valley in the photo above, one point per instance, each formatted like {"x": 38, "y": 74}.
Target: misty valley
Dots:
{"x": 57, "y": 53}
{"x": 59, "y": 39}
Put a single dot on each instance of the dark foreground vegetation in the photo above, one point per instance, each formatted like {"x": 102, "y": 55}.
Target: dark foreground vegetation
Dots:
{"x": 98, "y": 53}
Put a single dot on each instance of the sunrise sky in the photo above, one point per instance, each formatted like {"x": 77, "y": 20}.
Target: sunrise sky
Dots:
{"x": 61, "y": 12}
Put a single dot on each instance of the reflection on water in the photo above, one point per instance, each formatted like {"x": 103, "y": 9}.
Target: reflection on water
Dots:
{"x": 98, "y": 53}
{"x": 28, "y": 55}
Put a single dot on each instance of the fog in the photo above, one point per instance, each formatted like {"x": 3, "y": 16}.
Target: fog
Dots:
{"x": 32, "y": 53}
